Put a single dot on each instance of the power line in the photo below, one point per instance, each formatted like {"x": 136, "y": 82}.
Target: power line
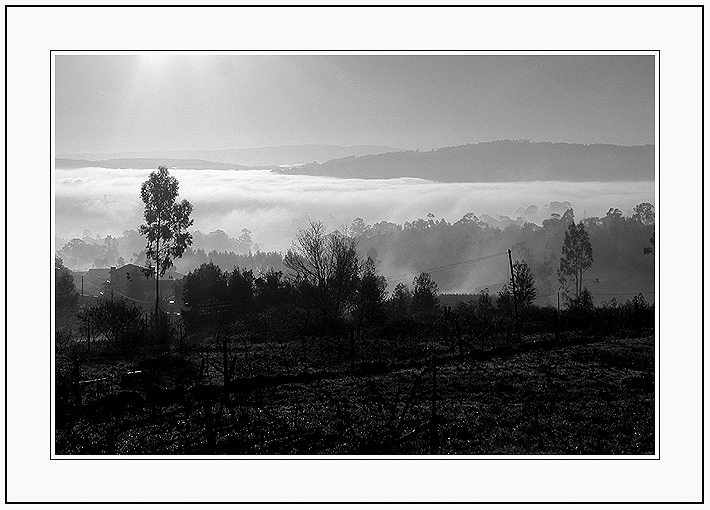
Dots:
{"x": 403, "y": 276}
{"x": 128, "y": 297}
{"x": 608, "y": 294}
{"x": 624, "y": 293}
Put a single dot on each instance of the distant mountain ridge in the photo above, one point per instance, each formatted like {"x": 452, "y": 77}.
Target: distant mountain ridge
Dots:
{"x": 250, "y": 157}
{"x": 499, "y": 161}
{"x": 153, "y": 163}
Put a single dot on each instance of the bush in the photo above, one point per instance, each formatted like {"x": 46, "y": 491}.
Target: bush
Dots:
{"x": 120, "y": 324}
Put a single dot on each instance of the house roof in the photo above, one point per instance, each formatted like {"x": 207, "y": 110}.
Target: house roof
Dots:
{"x": 130, "y": 268}
{"x": 98, "y": 273}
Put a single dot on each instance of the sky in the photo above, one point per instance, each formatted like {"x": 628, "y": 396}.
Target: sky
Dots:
{"x": 155, "y": 102}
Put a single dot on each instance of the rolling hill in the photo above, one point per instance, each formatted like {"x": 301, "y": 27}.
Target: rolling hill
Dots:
{"x": 500, "y": 161}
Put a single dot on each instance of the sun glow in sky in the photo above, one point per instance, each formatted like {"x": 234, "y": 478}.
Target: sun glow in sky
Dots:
{"x": 156, "y": 101}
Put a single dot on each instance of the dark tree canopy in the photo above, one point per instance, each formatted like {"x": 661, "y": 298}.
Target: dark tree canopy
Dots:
{"x": 425, "y": 296}
{"x": 582, "y": 304}
{"x": 525, "y": 292}
{"x": 483, "y": 303}
{"x": 576, "y": 256}
{"x": 272, "y": 290}
{"x": 325, "y": 267}
{"x": 166, "y": 224}
{"x": 64, "y": 288}
{"x": 371, "y": 292}
{"x": 240, "y": 289}
{"x": 505, "y": 300}
{"x": 204, "y": 287}
{"x": 400, "y": 301}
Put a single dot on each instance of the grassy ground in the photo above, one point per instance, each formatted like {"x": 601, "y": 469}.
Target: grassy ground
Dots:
{"x": 587, "y": 398}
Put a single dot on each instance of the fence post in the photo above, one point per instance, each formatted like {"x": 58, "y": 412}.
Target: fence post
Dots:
{"x": 433, "y": 424}
{"x": 201, "y": 376}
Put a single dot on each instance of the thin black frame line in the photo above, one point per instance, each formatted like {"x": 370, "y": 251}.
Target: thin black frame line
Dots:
{"x": 655, "y": 456}
{"x": 356, "y": 51}
{"x": 6, "y": 12}
{"x": 362, "y": 5}
{"x": 702, "y": 251}
{"x": 357, "y": 503}
{"x": 702, "y": 220}
{"x": 52, "y": 301}
{"x": 658, "y": 301}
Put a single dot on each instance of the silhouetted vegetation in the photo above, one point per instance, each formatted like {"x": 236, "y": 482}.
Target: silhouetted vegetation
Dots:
{"x": 310, "y": 353}
{"x": 166, "y": 224}
{"x": 65, "y": 295}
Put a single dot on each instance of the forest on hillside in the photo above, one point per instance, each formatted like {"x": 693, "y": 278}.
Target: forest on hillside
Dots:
{"x": 623, "y": 263}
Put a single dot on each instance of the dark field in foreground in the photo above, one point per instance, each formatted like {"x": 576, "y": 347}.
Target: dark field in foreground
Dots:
{"x": 589, "y": 397}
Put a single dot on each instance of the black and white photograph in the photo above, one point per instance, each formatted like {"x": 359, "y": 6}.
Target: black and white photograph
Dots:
{"x": 354, "y": 254}
{"x": 351, "y": 254}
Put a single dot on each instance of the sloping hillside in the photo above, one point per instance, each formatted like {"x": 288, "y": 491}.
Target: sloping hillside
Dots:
{"x": 500, "y": 161}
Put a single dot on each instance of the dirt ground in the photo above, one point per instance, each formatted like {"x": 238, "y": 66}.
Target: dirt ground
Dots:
{"x": 594, "y": 397}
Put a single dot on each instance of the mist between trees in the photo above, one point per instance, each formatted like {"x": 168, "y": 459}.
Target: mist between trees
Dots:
{"x": 360, "y": 300}
{"x": 366, "y": 270}
{"x": 404, "y": 250}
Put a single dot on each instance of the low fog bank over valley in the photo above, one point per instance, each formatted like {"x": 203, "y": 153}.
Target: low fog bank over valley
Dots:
{"x": 249, "y": 217}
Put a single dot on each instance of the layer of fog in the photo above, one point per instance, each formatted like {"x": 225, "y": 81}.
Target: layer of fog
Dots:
{"x": 274, "y": 206}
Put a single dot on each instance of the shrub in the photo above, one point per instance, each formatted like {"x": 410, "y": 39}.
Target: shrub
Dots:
{"x": 121, "y": 324}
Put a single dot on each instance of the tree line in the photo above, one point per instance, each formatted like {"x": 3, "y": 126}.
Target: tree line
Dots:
{"x": 327, "y": 282}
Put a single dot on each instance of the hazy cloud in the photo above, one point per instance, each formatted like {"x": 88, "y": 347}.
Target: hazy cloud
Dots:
{"x": 274, "y": 205}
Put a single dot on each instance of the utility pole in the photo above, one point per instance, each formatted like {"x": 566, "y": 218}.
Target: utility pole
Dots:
{"x": 512, "y": 285}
